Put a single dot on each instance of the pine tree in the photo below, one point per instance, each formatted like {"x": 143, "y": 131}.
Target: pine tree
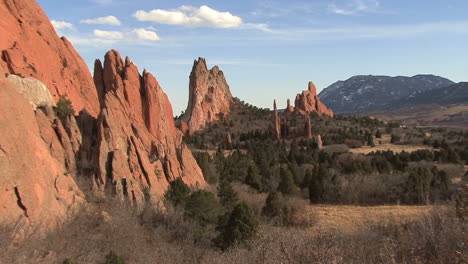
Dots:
{"x": 286, "y": 185}
{"x": 64, "y": 107}
{"x": 307, "y": 178}
{"x": 227, "y": 195}
{"x": 253, "y": 178}
{"x": 274, "y": 205}
{"x": 240, "y": 226}
{"x": 177, "y": 192}
{"x": 203, "y": 207}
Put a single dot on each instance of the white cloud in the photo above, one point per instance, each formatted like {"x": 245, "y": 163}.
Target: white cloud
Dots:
{"x": 354, "y": 7}
{"x": 108, "y": 34}
{"x": 203, "y": 16}
{"x": 61, "y": 24}
{"x": 107, "y": 20}
{"x": 144, "y": 34}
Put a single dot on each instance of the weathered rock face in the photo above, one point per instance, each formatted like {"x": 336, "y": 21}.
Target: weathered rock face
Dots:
{"x": 138, "y": 146}
{"x": 308, "y": 101}
{"x": 37, "y": 193}
{"x": 30, "y": 47}
{"x": 277, "y": 122}
{"x": 35, "y": 91}
{"x": 210, "y": 98}
{"x": 289, "y": 107}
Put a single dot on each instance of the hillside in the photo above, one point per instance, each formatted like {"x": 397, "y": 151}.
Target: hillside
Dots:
{"x": 361, "y": 94}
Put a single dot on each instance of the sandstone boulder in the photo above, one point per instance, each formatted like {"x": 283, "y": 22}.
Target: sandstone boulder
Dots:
{"x": 36, "y": 92}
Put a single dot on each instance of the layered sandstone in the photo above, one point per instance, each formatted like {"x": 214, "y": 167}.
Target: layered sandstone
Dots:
{"x": 210, "y": 98}
{"x": 139, "y": 149}
{"x": 38, "y": 192}
{"x": 30, "y": 47}
{"x": 308, "y": 102}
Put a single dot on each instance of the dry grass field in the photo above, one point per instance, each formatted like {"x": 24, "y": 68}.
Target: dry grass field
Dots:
{"x": 383, "y": 144}
{"x": 352, "y": 219}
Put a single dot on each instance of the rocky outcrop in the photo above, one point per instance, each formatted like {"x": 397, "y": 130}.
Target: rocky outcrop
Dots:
{"x": 319, "y": 141}
{"x": 35, "y": 91}
{"x": 139, "y": 149}
{"x": 38, "y": 193}
{"x": 210, "y": 98}
{"x": 289, "y": 107}
{"x": 308, "y": 102}
{"x": 277, "y": 122}
{"x": 30, "y": 47}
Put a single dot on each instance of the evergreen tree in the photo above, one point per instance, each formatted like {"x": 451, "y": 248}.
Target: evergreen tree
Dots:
{"x": 286, "y": 185}
{"x": 241, "y": 225}
{"x": 64, "y": 107}
{"x": 177, "y": 192}
{"x": 274, "y": 205}
{"x": 307, "y": 178}
{"x": 227, "y": 195}
{"x": 253, "y": 177}
{"x": 203, "y": 207}
{"x": 378, "y": 134}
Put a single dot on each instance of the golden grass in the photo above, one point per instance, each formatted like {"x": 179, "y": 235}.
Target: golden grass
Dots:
{"x": 350, "y": 219}
{"x": 388, "y": 146}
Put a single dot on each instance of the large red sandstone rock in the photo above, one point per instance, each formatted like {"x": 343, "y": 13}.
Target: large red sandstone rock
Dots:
{"x": 308, "y": 101}
{"x": 210, "y": 98}
{"x": 30, "y": 47}
{"x": 139, "y": 148}
{"x": 37, "y": 192}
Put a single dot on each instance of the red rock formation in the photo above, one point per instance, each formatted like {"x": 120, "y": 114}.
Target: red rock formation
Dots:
{"x": 30, "y": 47}
{"x": 277, "y": 122}
{"x": 38, "y": 193}
{"x": 289, "y": 107}
{"x": 319, "y": 141}
{"x": 139, "y": 147}
{"x": 308, "y": 102}
{"x": 228, "y": 138}
{"x": 210, "y": 98}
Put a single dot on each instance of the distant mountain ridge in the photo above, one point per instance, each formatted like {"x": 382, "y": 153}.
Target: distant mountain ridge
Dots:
{"x": 366, "y": 93}
{"x": 453, "y": 94}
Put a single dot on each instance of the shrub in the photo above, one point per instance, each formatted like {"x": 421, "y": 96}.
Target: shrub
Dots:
{"x": 64, "y": 108}
{"x": 113, "y": 258}
{"x": 395, "y": 138}
{"x": 68, "y": 261}
{"x": 241, "y": 225}
{"x": 177, "y": 192}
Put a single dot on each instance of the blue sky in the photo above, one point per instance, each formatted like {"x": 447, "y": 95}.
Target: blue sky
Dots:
{"x": 271, "y": 49}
